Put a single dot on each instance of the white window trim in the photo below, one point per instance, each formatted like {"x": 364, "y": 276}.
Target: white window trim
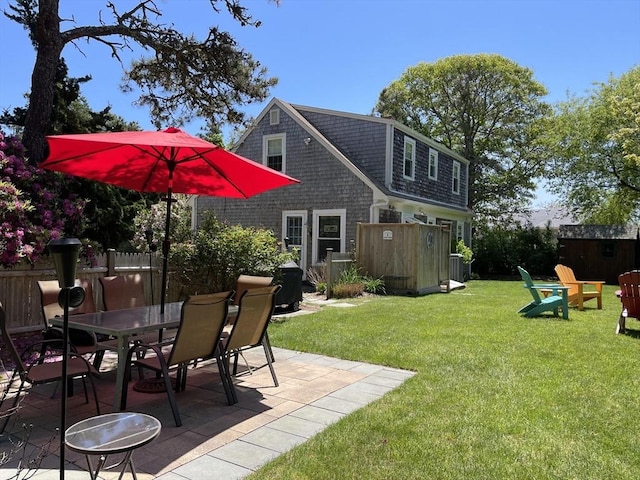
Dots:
{"x": 342, "y": 212}
{"x": 305, "y": 223}
{"x": 455, "y": 177}
{"x": 265, "y": 149}
{"x": 433, "y": 153}
{"x": 412, "y": 142}
{"x": 274, "y": 116}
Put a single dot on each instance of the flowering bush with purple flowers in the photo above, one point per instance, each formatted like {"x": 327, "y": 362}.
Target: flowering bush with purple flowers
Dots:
{"x": 35, "y": 206}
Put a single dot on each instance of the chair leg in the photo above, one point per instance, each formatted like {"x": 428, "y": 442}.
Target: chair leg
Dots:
{"x": 227, "y": 371}
{"x": 98, "y": 356}
{"x": 268, "y": 354}
{"x": 622, "y": 322}
{"x": 16, "y": 399}
{"x": 126, "y": 379}
{"x": 95, "y": 392}
{"x": 170, "y": 393}
{"x": 268, "y": 343}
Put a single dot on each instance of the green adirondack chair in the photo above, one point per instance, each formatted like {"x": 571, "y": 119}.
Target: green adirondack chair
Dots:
{"x": 557, "y": 299}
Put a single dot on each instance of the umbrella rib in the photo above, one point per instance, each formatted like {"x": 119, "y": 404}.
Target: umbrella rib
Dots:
{"x": 222, "y": 175}
{"x": 159, "y": 158}
{"x": 80, "y": 155}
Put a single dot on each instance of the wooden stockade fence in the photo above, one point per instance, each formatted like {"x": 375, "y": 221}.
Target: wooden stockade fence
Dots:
{"x": 20, "y": 296}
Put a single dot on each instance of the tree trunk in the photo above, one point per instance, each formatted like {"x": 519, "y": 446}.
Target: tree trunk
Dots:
{"x": 49, "y": 44}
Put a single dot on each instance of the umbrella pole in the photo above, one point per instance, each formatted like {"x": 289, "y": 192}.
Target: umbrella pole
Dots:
{"x": 165, "y": 247}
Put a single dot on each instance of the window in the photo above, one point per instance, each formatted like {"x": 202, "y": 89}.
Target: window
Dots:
{"x": 274, "y": 152}
{"x": 409, "y": 168}
{"x": 274, "y": 117}
{"x": 433, "y": 164}
{"x": 455, "y": 185}
{"x": 460, "y": 231}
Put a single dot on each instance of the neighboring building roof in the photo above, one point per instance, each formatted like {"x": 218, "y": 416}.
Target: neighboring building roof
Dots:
{"x": 599, "y": 232}
{"x": 554, "y": 214}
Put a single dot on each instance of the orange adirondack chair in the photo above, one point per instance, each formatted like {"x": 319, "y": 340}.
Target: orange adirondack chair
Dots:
{"x": 629, "y": 295}
{"x": 577, "y": 293}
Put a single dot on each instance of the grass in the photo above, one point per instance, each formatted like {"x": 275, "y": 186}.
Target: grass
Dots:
{"x": 496, "y": 395}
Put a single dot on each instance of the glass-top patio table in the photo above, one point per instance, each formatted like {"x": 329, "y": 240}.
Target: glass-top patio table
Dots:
{"x": 123, "y": 324}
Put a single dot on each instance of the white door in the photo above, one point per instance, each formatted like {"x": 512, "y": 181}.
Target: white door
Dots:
{"x": 294, "y": 228}
{"x": 329, "y": 230}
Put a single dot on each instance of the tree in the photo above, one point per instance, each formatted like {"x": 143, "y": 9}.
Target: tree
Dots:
{"x": 595, "y": 146}
{"x": 108, "y": 211}
{"x": 183, "y": 77}
{"x": 485, "y": 107}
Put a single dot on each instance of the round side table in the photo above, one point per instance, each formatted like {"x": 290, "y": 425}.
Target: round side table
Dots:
{"x": 110, "y": 434}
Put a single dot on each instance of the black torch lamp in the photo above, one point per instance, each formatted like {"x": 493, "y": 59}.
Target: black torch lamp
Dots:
{"x": 64, "y": 252}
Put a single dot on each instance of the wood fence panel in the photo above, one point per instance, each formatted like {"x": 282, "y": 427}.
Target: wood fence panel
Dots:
{"x": 20, "y": 295}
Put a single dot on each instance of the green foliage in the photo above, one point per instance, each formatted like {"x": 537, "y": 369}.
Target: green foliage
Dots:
{"x": 218, "y": 253}
{"x": 595, "y": 146}
{"x": 465, "y": 251}
{"x": 484, "y": 107}
{"x": 352, "y": 283}
{"x": 107, "y": 217}
{"x": 182, "y": 77}
{"x": 154, "y": 218}
{"x": 317, "y": 276}
{"x": 499, "y": 250}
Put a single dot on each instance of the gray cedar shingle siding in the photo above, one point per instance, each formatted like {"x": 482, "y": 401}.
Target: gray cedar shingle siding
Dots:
{"x": 422, "y": 186}
{"x": 325, "y": 184}
{"x": 361, "y": 141}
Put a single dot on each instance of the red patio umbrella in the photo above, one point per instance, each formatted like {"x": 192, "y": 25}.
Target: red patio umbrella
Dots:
{"x": 169, "y": 161}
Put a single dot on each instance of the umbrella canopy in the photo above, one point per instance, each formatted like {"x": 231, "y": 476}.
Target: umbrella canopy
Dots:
{"x": 169, "y": 161}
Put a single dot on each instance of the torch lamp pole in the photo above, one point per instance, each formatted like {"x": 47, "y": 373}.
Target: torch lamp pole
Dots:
{"x": 64, "y": 252}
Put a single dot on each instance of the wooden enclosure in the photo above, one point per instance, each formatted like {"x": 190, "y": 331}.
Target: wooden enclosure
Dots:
{"x": 411, "y": 258}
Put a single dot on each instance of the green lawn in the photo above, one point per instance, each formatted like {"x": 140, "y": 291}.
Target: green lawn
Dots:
{"x": 496, "y": 396}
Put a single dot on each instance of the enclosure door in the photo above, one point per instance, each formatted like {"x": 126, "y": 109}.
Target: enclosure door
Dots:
{"x": 329, "y": 230}
{"x": 294, "y": 227}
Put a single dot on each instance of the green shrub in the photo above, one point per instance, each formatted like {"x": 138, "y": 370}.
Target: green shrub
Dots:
{"x": 351, "y": 283}
{"x": 218, "y": 253}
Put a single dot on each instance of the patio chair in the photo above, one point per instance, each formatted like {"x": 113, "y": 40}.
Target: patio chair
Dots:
{"x": 35, "y": 369}
{"x": 202, "y": 319}
{"x": 127, "y": 291}
{"x": 245, "y": 282}
{"x": 557, "y": 300}
{"x": 122, "y": 291}
{"x": 82, "y": 342}
{"x": 250, "y": 328}
{"x": 577, "y": 293}
{"x": 629, "y": 295}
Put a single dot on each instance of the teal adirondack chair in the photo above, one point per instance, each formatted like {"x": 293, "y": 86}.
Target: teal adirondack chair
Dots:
{"x": 557, "y": 299}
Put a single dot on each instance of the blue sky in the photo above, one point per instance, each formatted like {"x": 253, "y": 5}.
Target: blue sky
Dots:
{"x": 339, "y": 54}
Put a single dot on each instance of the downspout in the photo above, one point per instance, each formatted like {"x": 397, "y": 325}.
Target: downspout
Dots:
{"x": 377, "y": 204}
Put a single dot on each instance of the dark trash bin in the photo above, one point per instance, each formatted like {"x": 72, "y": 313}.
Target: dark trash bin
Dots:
{"x": 290, "y": 295}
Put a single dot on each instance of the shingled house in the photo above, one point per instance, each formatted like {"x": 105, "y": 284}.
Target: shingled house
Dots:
{"x": 352, "y": 169}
